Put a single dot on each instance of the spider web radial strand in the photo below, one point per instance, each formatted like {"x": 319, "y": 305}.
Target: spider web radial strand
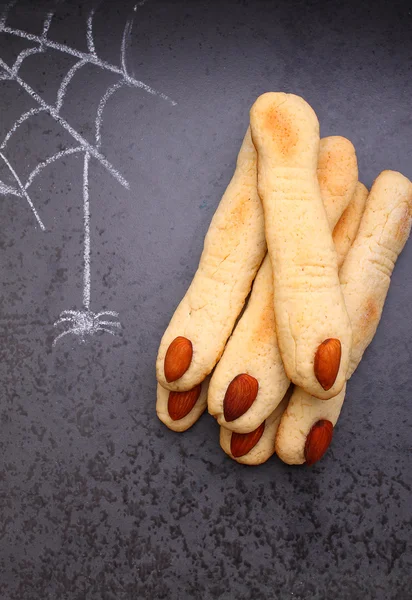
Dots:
{"x": 86, "y": 222}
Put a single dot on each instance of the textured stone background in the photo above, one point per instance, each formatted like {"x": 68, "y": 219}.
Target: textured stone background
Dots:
{"x": 98, "y": 499}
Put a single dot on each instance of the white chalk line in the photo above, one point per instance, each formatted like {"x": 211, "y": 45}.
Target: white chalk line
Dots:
{"x": 8, "y": 190}
{"x": 49, "y": 161}
{"x": 108, "y": 313}
{"x": 86, "y": 222}
{"x": 89, "y": 35}
{"x": 67, "y": 315}
{"x": 77, "y": 330}
{"x": 31, "y": 51}
{"x": 20, "y": 121}
{"x": 106, "y": 330}
{"x": 21, "y": 57}
{"x": 99, "y": 117}
{"x": 89, "y": 58}
{"x": 59, "y": 337}
{"x": 85, "y": 322}
{"x": 54, "y": 113}
{"x": 85, "y": 316}
{"x": 91, "y": 149}
{"x": 65, "y": 82}
{"x": 126, "y": 34}
{"x": 46, "y": 25}
{"x": 63, "y": 320}
{"x": 23, "y": 191}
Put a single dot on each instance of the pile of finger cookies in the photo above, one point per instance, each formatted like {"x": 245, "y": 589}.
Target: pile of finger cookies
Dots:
{"x": 316, "y": 251}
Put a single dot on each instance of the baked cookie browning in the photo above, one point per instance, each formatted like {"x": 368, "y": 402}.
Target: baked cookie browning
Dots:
{"x": 308, "y": 302}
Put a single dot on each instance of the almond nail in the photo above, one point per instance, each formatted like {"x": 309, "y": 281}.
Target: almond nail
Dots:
{"x": 178, "y": 358}
{"x": 181, "y": 403}
{"x": 242, "y": 443}
{"x": 327, "y": 362}
{"x": 318, "y": 441}
{"x": 239, "y": 396}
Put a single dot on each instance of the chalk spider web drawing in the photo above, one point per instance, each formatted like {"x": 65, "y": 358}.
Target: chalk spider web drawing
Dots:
{"x": 81, "y": 322}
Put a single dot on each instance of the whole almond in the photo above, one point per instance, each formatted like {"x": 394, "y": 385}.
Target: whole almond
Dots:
{"x": 181, "y": 403}
{"x": 327, "y": 362}
{"x": 318, "y": 441}
{"x": 239, "y": 396}
{"x": 242, "y": 443}
{"x": 178, "y": 358}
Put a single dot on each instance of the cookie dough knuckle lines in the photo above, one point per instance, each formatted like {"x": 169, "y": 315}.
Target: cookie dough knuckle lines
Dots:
{"x": 281, "y": 199}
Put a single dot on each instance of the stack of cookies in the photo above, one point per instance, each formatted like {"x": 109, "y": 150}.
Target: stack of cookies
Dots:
{"x": 315, "y": 250}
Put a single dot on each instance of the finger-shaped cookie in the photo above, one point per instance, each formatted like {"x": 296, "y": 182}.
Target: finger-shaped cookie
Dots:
{"x": 250, "y": 380}
{"x": 348, "y": 225}
{"x": 312, "y": 323}
{"x": 258, "y": 446}
{"x": 366, "y": 273}
{"x": 337, "y": 175}
{"x": 252, "y": 351}
{"x": 180, "y": 410}
{"x": 306, "y": 427}
{"x": 233, "y": 251}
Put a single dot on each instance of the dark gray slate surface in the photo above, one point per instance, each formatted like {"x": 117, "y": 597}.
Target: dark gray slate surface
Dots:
{"x": 98, "y": 499}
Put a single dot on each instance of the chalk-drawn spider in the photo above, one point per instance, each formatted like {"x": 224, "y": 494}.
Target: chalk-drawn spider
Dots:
{"x": 86, "y": 322}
